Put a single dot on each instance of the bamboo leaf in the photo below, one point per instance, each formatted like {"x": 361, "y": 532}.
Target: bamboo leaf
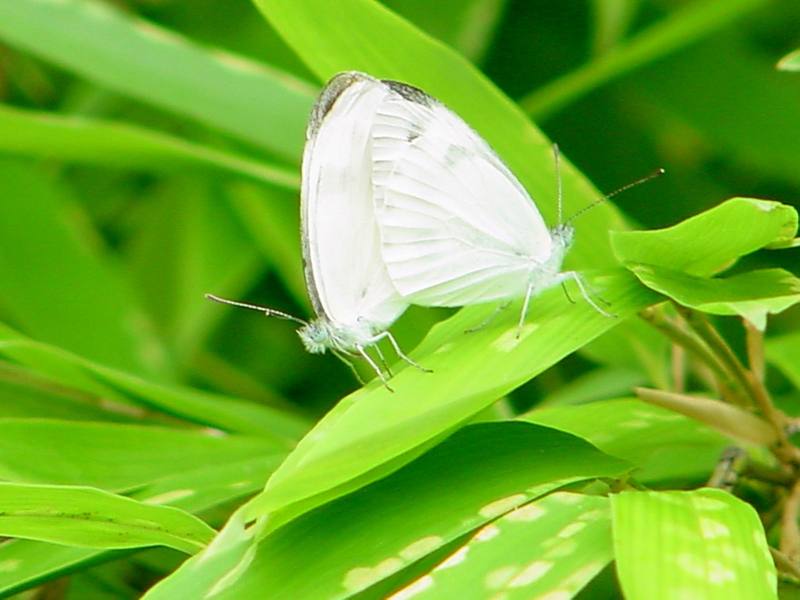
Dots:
{"x": 699, "y": 544}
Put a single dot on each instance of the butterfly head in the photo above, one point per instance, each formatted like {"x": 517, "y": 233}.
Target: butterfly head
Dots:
{"x": 563, "y": 235}
{"x": 316, "y": 336}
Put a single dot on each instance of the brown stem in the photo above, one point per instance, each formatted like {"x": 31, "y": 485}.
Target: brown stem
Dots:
{"x": 754, "y": 470}
{"x": 790, "y": 533}
{"x": 698, "y": 348}
{"x": 755, "y": 349}
{"x": 784, "y": 564}
{"x": 678, "y": 368}
{"x": 755, "y": 389}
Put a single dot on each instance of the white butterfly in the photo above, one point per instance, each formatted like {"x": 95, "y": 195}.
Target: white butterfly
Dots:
{"x": 456, "y": 226}
{"x": 349, "y": 287}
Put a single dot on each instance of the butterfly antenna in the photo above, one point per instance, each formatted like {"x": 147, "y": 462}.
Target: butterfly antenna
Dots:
{"x": 270, "y": 312}
{"x": 559, "y": 189}
{"x": 657, "y": 173}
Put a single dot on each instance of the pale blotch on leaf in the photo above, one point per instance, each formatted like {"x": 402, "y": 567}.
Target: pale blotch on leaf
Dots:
{"x": 559, "y": 548}
{"x": 486, "y": 533}
{"x": 499, "y": 577}
{"x": 444, "y": 348}
{"x": 712, "y": 529}
{"x": 510, "y": 340}
{"x": 718, "y": 574}
{"x": 11, "y": 564}
{"x": 706, "y": 503}
{"x": 592, "y": 515}
{"x": 529, "y": 512}
{"x": 657, "y": 416}
{"x": 555, "y": 595}
{"x": 530, "y": 574}
{"x": 571, "y": 529}
{"x": 635, "y": 424}
{"x": 501, "y": 506}
{"x": 581, "y": 577}
{"x": 566, "y": 498}
{"x": 362, "y": 577}
{"x": 170, "y": 496}
{"x": 456, "y": 558}
{"x": 419, "y": 586}
{"x": 421, "y": 547}
{"x": 689, "y": 563}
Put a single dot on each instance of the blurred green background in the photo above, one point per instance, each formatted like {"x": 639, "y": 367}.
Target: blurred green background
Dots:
{"x": 109, "y": 255}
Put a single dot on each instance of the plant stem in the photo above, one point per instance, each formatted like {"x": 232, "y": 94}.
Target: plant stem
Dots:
{"x": 755, "y": 349}
{"x": 755, "y": 389}
{"x": 790, "y": 533}
{"x": 698, "y": 348}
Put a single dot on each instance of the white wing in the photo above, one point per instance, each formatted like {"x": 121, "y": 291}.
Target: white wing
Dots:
{"x": 457, "y": 227}
{"x": 345, "y": 275}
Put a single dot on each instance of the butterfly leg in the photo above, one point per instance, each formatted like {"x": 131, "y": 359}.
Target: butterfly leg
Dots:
{"x": 489, "y": 319}
{"x": 524, "y": 313}
{"x": 574, "y": 275}
{"x": 350, "y": 365}
{"x": 378, "y": 372}
{"x": 384, "y": 364}
{"x": 399, "y": 352}
{"x": 566, "y": 292}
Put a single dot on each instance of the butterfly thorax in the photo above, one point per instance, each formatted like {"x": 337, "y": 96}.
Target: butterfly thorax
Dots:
{"x": 322, "y": 334}
{"x": 562, "y": 236}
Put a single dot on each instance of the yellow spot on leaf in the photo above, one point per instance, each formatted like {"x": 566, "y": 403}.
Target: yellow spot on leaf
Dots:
{"x": 419, "y": 586}
{"x": 421, "y": 547}
{"x": 571, "y": 529}
{"x": 456, "y": 558}
{"x": 498, "y": 578}
{"x": 529, "y": 512}
{"x": 501, "y": 506}
{"x": 12, "y": 564}
{"x": 171, "y": 496}
{"x": 533, "y": 572}
{"x": 486, "y": 533}
{"x": 509, "y": 340}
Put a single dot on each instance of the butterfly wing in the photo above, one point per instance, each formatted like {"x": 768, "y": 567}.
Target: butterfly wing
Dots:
{"x": 457, "y": 227}
{"x": 345, "y": 275}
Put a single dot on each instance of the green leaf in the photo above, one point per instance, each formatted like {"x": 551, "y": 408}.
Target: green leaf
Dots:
{"x": 739, "y": 136}
{"x": 711, "y": 241}
{"x": 380, "y": 43}
{"x": 28, "y": 563}
{"x": 752, "y": 295}
{"x": 200, "y": 247}
{"x": 83, "y": 516}
{"x": 465, "y": 25}
{"x": 479, "y": 473}
{"x": 240, "y": 97}
{"x": 99, "y": 381}
{"x": 56, "y": 288}
{"x": 273, "y": 223}
{"x": 470, "y": 371}
{"x": 99, "y": 142}
{"x": 663, "y": 445}
{"x": 699, "y": 544}
{"x": 686, "y": 26}
{"x": 790, "y": 62}
{"x": 550, "y": 548}
{"x": 92, "y": 453}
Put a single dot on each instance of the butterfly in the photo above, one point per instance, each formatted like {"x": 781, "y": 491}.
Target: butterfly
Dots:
{"x": 354, "y": 299}
{"x": 456, "y": 226}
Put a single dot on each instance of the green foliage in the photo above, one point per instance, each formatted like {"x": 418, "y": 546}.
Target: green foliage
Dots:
{"x": 150, "y": 154}
{"x": 706, "y": 541}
